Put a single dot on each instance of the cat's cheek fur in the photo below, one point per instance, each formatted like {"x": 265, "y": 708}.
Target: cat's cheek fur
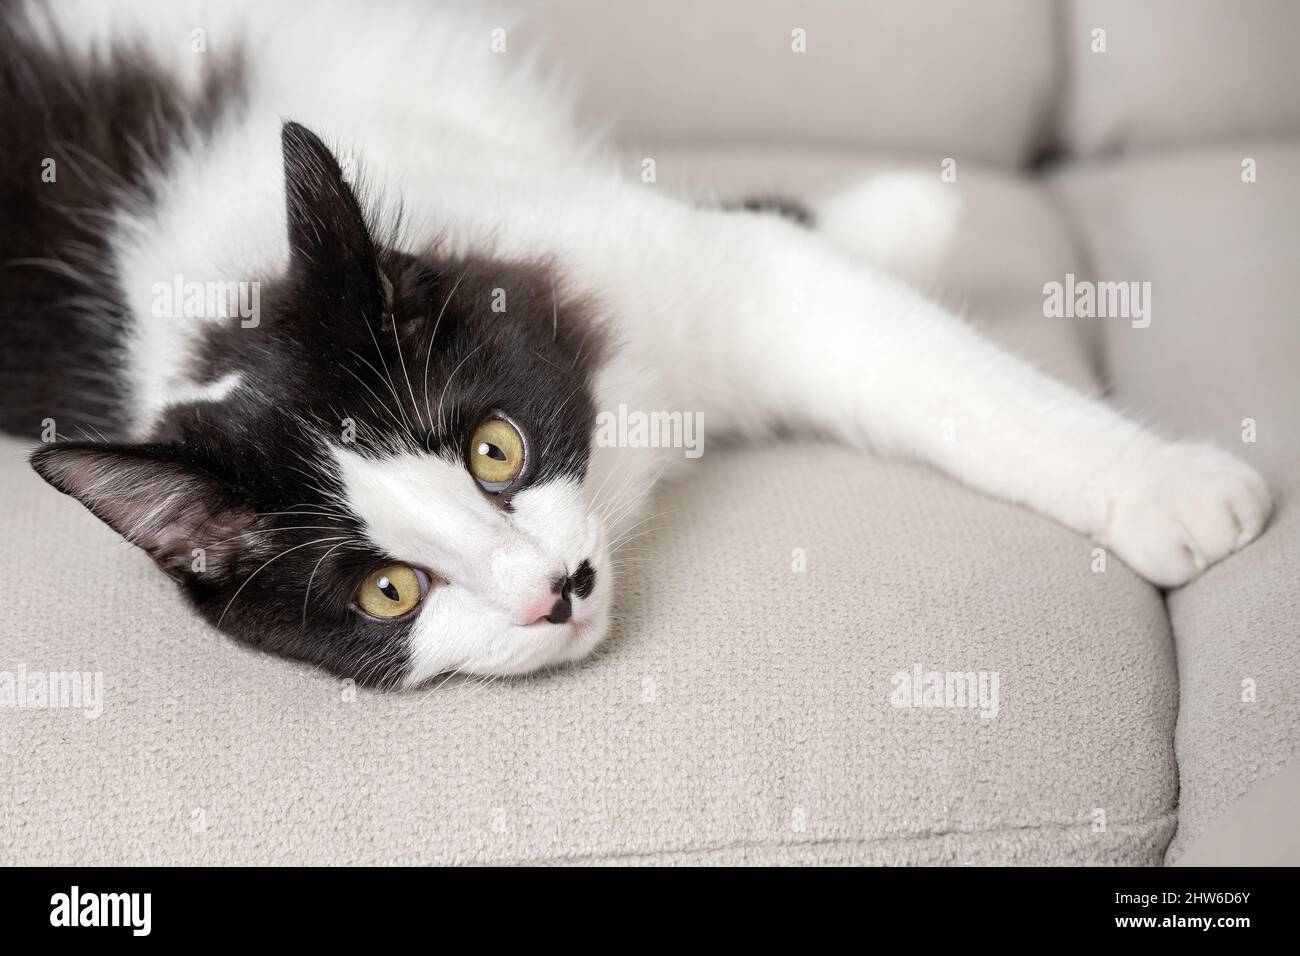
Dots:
{"x": 454, "y": 635}
{"x": 458, "y": 632}
{"x": 490, "y": 563}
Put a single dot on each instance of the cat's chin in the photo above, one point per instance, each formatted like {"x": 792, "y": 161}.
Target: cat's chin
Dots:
{"x": 556, "y": 644}
{"x": 582, "y": 639}
{"x": 530, "y": 648}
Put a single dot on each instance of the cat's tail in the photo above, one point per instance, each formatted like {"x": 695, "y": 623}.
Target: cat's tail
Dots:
{"x": 900, "y": 221}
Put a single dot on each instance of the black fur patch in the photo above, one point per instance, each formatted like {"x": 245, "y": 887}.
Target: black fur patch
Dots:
{"x": 782, "y": 206}
{"x": 583, "y": 580}
{"x": 106, "y": 126}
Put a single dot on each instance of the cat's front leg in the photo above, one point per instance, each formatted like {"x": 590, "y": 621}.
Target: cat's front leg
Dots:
{"x": 785, "y": 327}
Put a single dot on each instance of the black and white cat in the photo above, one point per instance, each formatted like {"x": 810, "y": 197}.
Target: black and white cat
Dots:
{"x": 371, "y": 448}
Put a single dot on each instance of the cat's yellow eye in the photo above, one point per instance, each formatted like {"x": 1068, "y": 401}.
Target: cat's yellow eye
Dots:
{"x": 392, "y": 591}
{"x": 496, "y": 454}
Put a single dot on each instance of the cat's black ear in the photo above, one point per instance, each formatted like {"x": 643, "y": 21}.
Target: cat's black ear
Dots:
{"x": 330, "y": 246}
{"x": 188, "y": 521}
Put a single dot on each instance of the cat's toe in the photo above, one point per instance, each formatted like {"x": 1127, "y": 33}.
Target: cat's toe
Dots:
{"x": 1184, "y": 508}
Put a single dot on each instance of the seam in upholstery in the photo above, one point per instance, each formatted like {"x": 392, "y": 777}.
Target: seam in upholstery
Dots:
{"x": 1169, "y": 818}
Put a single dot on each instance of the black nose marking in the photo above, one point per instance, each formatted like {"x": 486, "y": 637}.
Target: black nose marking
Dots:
{"x": 583, "y": 580}
{"x": 580, "y": 583}
{"x": 561, "y": 611}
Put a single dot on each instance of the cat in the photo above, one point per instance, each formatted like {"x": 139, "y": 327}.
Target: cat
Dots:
{"x": 324, "y": 303}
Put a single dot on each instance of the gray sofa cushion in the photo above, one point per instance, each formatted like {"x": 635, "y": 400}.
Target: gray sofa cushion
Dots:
{"x": 1178, "y": 73}
{"x": 743, "y": 710}
{"x": 1260, "y": 829}
{"x": 962, "y": 80}
{"x": 1223, "y": 346}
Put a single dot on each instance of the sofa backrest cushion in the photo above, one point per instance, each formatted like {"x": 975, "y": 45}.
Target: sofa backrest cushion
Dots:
{"x": 1179, "y": 73}
{"x": 938, "y": 77}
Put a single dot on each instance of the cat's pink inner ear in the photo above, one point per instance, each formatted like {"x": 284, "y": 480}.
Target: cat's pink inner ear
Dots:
{"x": 183, "y": 518}
{"x": 196, "y": 537}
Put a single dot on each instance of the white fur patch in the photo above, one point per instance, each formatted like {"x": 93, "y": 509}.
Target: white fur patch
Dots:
{"x": 492, "y": 565}
{"x": 214, "y": 391}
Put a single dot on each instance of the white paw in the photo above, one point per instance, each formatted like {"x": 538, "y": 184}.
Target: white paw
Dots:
{"x": 1181, "y": 509}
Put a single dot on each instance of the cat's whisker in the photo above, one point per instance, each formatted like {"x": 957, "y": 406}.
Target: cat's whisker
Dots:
{"x": 631, "y": 556}
{"x": 618, "y": 496}
{"x": 240, "y": 590}
{"x": 624, "y": 559}
{"x": 538, "y": 355}
{"x": 432, "y": 339}
{"x": 358, "y": 422}
{"x": 630, "y": 528}
{"x": 642, "y": 533}
{"x": 483, "y": 681}
{"x": 312, "y": 506}
{"x": 387, "y": 375}
{"x": 384, "y": 655}
{"x": 312, "y": 577}
{"x": 554, "y": 417}
{"x": 366, "y": 385}
{"x": 400, "y": 418}
{"x": 260, "y": 531}
{"x": 401, "y": 360}
{"x": 453, "y": 673}
{"x": 636, "y": 556}
{"x": 329, "y": 496}
{"x": 620, "y": 548}
{"x": 301, "y": 514}
{"x": 637, "y": 496}
{"x": 596, "y": 498}
{"x": 447, "y": 384}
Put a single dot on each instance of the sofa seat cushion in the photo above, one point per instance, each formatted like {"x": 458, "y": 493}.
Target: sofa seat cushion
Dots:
{"x": 743, "y": 707}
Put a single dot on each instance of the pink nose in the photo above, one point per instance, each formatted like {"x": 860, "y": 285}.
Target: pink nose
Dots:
{"x": 555, "y": 607}
{"x": 542, "y": 609}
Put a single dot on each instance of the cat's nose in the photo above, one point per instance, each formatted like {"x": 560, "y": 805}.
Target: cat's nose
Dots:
{"x": 561, "y": 611}
{"x": 555, "y": 607}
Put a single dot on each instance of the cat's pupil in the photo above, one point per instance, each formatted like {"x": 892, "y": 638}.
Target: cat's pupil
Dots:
{"x": 387, "y": 588}
{"x": 491, "y": 451}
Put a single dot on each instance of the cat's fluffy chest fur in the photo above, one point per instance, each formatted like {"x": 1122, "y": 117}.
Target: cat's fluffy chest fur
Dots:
{"x": 409, "y": 417}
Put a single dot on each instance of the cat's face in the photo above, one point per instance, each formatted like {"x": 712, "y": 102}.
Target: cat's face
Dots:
{"x": 394, "y": 485}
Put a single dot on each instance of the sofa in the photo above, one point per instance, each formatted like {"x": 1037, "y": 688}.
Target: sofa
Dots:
{"x": 942, "y": 678}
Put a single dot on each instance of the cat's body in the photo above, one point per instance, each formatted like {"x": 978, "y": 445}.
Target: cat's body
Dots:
{"x": 532, "y": 280}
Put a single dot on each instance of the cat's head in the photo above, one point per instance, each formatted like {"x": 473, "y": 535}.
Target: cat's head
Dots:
{"x": 389, "y": 477}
